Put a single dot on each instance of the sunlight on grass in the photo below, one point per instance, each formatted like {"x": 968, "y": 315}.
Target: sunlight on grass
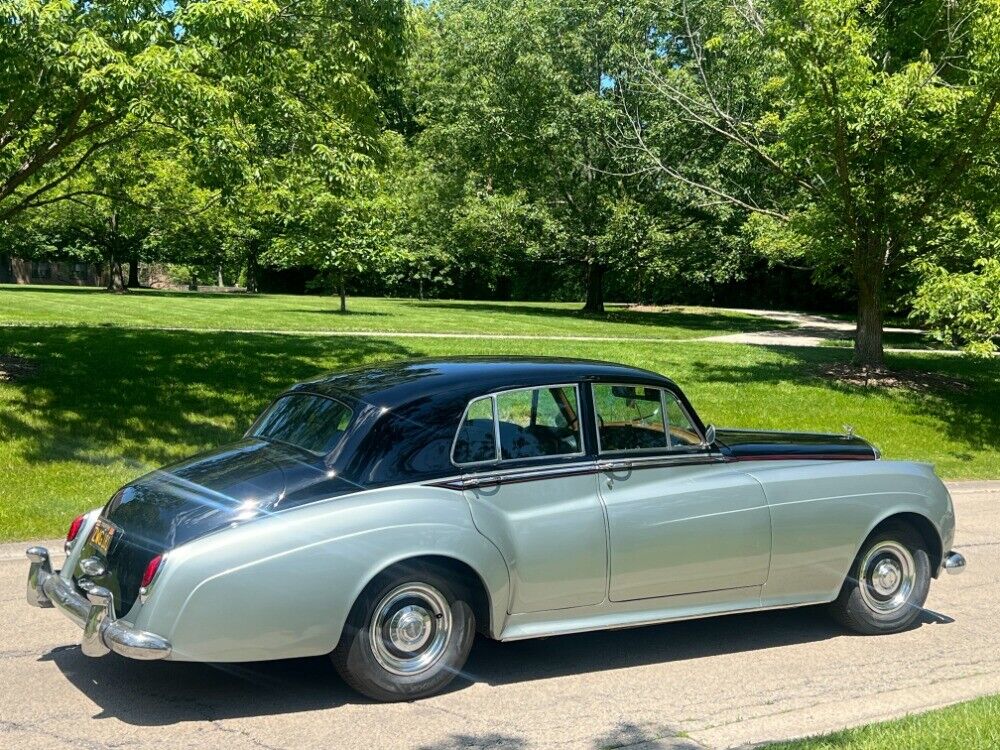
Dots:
{"x": 107, "y": 404}
{"x": 970, "y": 726}
{"x": 35, "y": 305}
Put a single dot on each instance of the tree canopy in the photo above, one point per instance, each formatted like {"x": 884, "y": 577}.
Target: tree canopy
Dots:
{"x": 650, "y": 150}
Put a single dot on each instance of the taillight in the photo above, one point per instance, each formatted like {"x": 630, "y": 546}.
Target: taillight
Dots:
{"x": 74, "y": 528}
{"x": 150, "y": 573}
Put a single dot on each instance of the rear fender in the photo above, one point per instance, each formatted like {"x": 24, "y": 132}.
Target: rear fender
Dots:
{"x": 282, "y": 587}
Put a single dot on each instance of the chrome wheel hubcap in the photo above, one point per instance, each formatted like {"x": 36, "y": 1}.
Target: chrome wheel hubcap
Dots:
{"x": 410, "y": 629}
{"x": 888, "y": 576}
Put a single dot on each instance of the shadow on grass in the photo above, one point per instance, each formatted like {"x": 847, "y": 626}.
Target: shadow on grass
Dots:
{"x": 150, "y": 396}
{"x": 176, "y": 692}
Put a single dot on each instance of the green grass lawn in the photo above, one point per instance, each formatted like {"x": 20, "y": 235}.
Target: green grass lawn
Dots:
{"x": 54, "y": 305}
{"x": 105, "y": 404}
{"x": 970, "y": 726}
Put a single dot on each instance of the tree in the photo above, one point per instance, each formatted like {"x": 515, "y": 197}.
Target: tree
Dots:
{"x": 119, "y": 210}
{"x": 873, "y": 122}
{"x": 519, "y": 99}
{"x": 342, "y": 233}
{"x": 78, "y": 78}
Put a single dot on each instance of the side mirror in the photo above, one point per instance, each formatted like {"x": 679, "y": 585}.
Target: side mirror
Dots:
{"x": 710, "y": 435}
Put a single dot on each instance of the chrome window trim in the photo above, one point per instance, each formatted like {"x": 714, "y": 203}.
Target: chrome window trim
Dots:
{"x": 498, "y": 456}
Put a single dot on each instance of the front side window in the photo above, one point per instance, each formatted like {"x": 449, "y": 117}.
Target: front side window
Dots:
{"x": 530, "y": 423}
{"x": 304, "y": 420}
{"x": 629, "y": 418}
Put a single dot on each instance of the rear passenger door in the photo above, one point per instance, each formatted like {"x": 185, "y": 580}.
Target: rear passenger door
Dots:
{"x": 532, "y": 491}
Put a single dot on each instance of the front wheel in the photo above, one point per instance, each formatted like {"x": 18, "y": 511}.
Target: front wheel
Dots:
{"x": 887, "y": 586}
{"x": 407, "y": 636}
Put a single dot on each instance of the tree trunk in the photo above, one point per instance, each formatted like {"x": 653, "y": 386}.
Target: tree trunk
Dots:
{"x": 221, "y": 282}
{"x": 343, "y": 294}
{"x": 253, "y": 270}
{"x": 869, "y": 274}
{"x": 133, "y": 274}
{"x": 595, "y": 288}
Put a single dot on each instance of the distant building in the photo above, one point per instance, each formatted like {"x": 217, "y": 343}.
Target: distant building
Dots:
{"x": 23, "y": 271}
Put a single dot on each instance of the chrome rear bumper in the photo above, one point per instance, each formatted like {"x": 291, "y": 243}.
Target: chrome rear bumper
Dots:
{"x": 102, "y": 632}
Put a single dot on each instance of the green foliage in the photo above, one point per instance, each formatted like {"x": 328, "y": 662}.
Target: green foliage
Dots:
{"x": 520, "y": 106}
{"x": 963, "y": 307}
{"x": 866, "y": 125}
{"x": 974, "y": 725}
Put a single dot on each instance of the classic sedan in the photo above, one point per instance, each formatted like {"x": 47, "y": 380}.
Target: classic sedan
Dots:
{"x": 386, "y": 515}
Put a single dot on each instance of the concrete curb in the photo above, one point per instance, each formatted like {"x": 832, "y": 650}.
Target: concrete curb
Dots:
{"x": 15, "y": 550}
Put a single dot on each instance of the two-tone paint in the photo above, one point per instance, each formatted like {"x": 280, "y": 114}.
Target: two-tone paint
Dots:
{"x": 267, "y": 547}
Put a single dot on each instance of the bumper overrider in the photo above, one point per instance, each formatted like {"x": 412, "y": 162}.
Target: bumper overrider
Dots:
{"x": 95, "y": 613}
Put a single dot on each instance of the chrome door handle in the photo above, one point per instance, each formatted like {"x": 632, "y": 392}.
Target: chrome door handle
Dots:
{"x": 472, "y": 482}
{"x": 614, "y": 465}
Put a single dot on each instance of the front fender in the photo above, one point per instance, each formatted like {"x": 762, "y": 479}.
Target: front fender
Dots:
{"x": 282, "y": 586}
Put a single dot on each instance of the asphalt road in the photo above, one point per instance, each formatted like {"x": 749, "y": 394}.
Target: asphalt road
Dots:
{"x": 709, "y": 683}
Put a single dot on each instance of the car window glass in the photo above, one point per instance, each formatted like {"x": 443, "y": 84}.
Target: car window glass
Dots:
{"x": 629, "y": 418}
{"x": 314, "y": 423}
{"x": 682, "y": 431}
{"x": 538, "y": 422}
{"x": 476, "y": 440}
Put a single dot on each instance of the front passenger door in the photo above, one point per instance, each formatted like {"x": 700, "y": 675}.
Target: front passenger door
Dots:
{"x": 680, "y": 520}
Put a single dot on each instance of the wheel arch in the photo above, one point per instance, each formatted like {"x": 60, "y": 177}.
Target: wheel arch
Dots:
{"x": 453, "y": 569}
{"x": 919, "y": 523}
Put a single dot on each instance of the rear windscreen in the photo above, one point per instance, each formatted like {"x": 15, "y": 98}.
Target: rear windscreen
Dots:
{"x": 313, "y": 423}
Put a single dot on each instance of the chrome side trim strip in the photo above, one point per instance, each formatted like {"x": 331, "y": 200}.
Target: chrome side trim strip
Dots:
{"x": 513, "y": 476}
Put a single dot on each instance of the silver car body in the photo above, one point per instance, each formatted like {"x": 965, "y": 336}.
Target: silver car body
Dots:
{"x": 556, "y": 555}
{"x": 558, "y": 548}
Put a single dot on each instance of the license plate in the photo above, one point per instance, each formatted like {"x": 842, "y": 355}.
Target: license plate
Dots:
{"x": 101, "y": 536}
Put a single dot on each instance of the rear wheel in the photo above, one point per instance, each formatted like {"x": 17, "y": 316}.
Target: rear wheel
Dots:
{"x": 888, "y": 583}
{"x": 407, "y": 636}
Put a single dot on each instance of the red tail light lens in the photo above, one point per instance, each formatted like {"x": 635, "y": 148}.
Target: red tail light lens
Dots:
{"x": 150, "y": 573}
{"x": 74, "y": 528}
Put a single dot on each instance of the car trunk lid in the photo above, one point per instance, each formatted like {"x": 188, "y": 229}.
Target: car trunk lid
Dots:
{"x": 179, "y": 503}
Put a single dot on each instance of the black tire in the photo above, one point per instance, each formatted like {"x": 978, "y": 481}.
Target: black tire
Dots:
{"x": 367, "y": 665}
{"x": 868, "y": 603}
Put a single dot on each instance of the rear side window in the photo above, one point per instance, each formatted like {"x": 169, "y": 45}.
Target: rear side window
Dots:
{"x": 530, "y": 423}
{"x": 313, "y": 423}
{"x": 538, "y": 422}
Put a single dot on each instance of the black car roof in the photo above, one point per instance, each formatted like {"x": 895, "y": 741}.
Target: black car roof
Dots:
{"x": 396, "y": 383}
